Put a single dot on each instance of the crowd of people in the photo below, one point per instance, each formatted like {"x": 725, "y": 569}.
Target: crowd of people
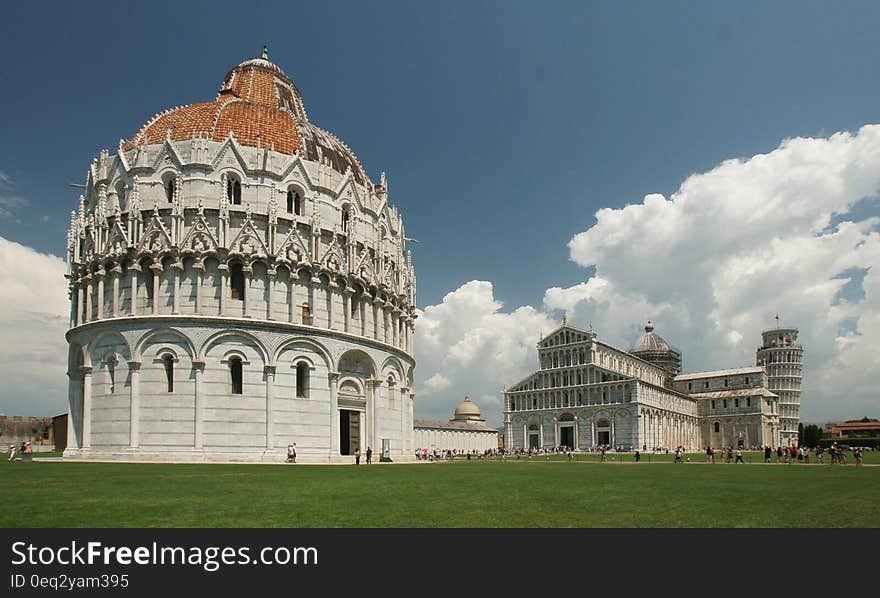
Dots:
{"x": 729, "y": 454}
{"x": 24, "y": 453}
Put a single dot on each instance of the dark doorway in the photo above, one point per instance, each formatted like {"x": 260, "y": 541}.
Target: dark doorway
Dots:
{"x": 604, "y": 437}
{"x": 349, "y": 431}
{"x": 534, "y": 441}
{"x": 566, "y": 436}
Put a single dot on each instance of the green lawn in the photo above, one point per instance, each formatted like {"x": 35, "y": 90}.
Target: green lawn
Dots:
{"x": 537, "y": 493}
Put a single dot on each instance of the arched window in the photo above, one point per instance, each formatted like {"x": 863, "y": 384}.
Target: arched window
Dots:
{"x": 169, "y": 189}
{"x": 236, "y": 281}
{"x": 233, "y": 191}
{"x": 306, "y": 314}
{"x": 346, "y": 215}
{"x": 717, "y": 427}
{"x": 302, "y": 381}
{"x": 168, "y": 364}
{"x": 294, "y": 202}
{"x": 235, "y": 374}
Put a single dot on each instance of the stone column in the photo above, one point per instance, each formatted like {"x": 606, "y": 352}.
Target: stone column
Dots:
{"x": 74, "y": 400}
{"x": 199, "y": 267}
{"x": 269, "y": 370}
{"x": 346, "y": 308}
{"x": 224, "y": 284}
{"x": 577, "y": 433}
{"x": 291, "y": 291}
{"x": 99, "y": 295}
{"x": 87, "y": 407}
{"x": 404, "y": 394}
{"x": 555, "y": 432}
{"x": 87, "y": 314}
{"x": 593, "y": 440}
{"x": 330, "y": 287}
{"x": 157, "y": 270}
{"x": 134, "y": 416}
{"x": 133, "y": 270}
{"x": 541, "y": 429}
{"x": 376, "y": 303}
{"x": 248, "y": 274}
{"x": 79, "y": 304}
{"x": 373, "y": 415}
{"x": 334, "y": 414}
{"x": 270, "y": 283}
{"x": 613, "y": 436}
{"x": 176, "y": 268}
{"x": 314, "y": 283}
{"x": 525, "y": 436}
{"x": 116, "y": 272}
{"x": 198, "y": 406}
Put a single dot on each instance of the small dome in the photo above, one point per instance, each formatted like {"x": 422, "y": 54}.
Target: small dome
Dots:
{"x": 467, "y": 409}
{"x": 650, "y": 341}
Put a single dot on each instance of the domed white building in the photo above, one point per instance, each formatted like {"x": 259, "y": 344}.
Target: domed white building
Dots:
{"x": 237, "y": 284}
{"x": 465, "y": 432}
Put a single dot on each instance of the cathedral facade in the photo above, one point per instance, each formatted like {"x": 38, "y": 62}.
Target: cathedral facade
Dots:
{"x": 237, "y": 284}
{"x": 588, "y": 393}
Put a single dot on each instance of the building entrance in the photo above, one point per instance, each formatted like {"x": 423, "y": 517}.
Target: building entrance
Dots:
{"x": 534, "y": 440}
{"x": 566, "y": 436}
{"x": 604, "y": 437}
{"x": 349, "y": 431}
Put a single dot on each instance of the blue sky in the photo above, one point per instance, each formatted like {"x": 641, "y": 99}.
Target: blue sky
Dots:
{"x": 503, "y": 126}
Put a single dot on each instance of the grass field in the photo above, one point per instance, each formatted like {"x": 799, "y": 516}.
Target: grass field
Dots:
{"x": 536, "y": 493}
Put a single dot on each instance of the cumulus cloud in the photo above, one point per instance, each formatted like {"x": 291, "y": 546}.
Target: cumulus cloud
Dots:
{"x": 34, "y": 314}
{"x": 792, "y": 232}
{"x": 468, "y": 344}
{"x": 711, "y": 265}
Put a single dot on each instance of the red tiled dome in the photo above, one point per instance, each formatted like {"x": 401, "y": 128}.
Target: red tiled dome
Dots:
{"x": 261, "y": 106}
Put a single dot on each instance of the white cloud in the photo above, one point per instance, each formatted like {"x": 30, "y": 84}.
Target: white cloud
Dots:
{"x": 468, "y": 345}
{"x": 34, "y": 313}
{"x": 710, "y": 266}
{"x": 732, "y": 247}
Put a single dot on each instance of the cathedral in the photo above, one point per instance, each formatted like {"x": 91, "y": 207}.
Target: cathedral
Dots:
{"x": 588, "y": 393}
{"x": 238, "y": 283}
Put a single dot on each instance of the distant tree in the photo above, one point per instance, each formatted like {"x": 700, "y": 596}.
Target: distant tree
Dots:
{"x": 800, "y": 434}
{"x": 812, "y": 435}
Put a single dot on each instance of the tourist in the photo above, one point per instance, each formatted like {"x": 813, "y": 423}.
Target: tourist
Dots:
{"x": 291, "y": 454}
{"x": 708, "y": 454}
{"x": 357, "y": 456}
{"x": 638, "y": 457}
{"x": 12, "y": 452}
{"x": 369, "y": 455}
{"x": 857, "y": 453}
{"x": 739, "y": 456}
{"x": 767, "y": 453}
{"x": 603, "y": 452}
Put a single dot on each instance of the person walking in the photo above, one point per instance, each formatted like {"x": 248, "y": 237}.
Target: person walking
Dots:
{"x": 739, "y": 456}
{"x": 369, "y": 455}
{"x": 638, "y": 457}
{"x": 291, "y": 453}
{"x": 12, "y": 452}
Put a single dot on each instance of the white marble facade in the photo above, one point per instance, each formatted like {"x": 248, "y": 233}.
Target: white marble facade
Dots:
{"x": 588, "y": 393}
{"x": 228, "y": 299}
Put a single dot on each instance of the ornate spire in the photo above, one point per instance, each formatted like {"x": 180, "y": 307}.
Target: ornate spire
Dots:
{"x": 177, "y": 197}
{"x": 273, "y": 210}
{"x": 265, "y": 54}
{"x": 224, "y": 200}
{"x": 134, "y": 208}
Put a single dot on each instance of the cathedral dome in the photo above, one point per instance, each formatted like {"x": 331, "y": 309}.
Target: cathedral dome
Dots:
{"x": 261, "y": 107}
{"x": 467, "y": 410}
{"x": 650, "y": 341}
